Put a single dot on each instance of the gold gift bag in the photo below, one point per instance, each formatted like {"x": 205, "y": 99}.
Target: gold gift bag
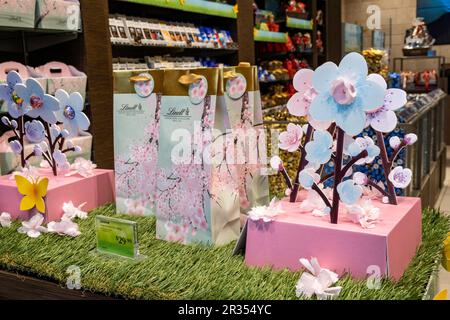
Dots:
{"x": 243, "y": 103}
{"x": 137, "y": 99}
{"x": 197, "y": 199}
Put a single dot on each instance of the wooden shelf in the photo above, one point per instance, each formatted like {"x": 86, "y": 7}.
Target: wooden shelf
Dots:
{"x": 16, "y": 40}
{"x": 195, "y": 6}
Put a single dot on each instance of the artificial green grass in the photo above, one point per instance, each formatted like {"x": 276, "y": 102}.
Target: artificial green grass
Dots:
{"x": 174, "y": 271}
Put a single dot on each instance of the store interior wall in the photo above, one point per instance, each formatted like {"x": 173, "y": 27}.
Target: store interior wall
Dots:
{"x": 402, "y": 13}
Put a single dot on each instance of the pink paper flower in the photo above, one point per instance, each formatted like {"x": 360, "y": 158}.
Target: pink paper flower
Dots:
{"x": 384, "y": 119}
{"x": 318, "y": 281}
{"x": 410, "y": 138}
{"x": 400, "y": 177}
{"x": 343, "y": 91}
{"x": 299, "y": 103}
{"x": 364, "y": 213}
{"x": 291, "y": 139}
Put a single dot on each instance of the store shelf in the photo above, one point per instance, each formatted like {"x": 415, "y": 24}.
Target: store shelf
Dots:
{"x": 275, "y": 81}
{"x": 302, "y": 24}
{"x": 15, "y": 40}
{"x": 270, "y": 36}
{"x": 196, "y": 6}
{"x": 131, "y": 50}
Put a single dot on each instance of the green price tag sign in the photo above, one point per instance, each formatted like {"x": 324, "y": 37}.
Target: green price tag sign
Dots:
{"x": 117, "y": 237}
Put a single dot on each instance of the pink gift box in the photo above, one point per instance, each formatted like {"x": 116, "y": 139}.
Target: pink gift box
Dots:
{"x": 342, "y": 247}
{"x": 96, "y": 191}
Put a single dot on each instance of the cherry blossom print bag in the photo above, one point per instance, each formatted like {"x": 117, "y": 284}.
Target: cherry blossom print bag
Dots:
{"x": 243, "y": 104}
{"x": 137, "y": 99}
{"x": 197, "y": 199}
{"x": 17, "y": 13}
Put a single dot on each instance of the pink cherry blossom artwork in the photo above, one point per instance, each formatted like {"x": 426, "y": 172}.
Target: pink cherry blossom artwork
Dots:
{"x": 144, "y": 88}
{"x": 198, "y": 90}
{"x": 235, "y": 87}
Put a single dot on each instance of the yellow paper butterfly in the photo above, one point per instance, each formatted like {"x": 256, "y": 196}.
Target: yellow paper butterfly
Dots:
{"x": 33, "y": 191}
{"x": 441, "y": 295}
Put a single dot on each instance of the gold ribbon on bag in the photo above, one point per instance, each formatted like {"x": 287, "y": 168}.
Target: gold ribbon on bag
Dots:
{"x": 189, "y": 78}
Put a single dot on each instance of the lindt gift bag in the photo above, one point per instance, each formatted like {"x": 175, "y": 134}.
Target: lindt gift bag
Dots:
{"x": 137, "y": 98}
{"x": 243, "y": 104}
{"x": 197, "y": 200}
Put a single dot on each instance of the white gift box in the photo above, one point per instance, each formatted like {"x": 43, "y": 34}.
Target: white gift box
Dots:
{"x": 58, "y": 14}
{"x": 62, "y": 76}
{"x": 18, "y": 13}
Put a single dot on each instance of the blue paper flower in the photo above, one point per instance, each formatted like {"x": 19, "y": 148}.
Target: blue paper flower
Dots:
{"x": 34, "y": 131}
{"x": 42, "y": 105}
{"x": 16, "y": 146}
{"x": 70, "y": 112}
{"x": 349, "y": 192}
{"x": 318, "y": 151}
{"x": 345, "y": 93}
{"x": 308, "y": 177}
{"x": 14, "y": 103}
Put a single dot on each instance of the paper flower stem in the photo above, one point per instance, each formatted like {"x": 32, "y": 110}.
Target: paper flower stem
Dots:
{"x": 376, "y": 186}
{"x": 326, "y": 177}
{"x": 360, "y": 156}
{"x": 337, "y": 175}
{"x": 21, "y": 129}
{"x": 68, "y": 150}
{"x": 286, "y": 177}
{"x": 52, "y": 161}
{"x": 301, "y": 165}
{"x": 316, "y": 188}
{"x": 61, "y": 143}
{"x": 387, "y": 164}
{"x": 397, "y": 152}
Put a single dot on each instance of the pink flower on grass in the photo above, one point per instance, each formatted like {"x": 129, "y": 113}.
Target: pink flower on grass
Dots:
{"x": 291, "y": 139}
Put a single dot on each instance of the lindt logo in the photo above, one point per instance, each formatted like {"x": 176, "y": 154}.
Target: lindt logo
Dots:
{"x": 131, "y": 109}
{"x": 177, "y": 112}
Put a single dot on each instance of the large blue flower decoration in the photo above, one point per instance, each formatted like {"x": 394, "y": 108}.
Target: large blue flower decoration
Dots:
{"x": 349, "y": 191}
{"x": 16, "y": 107}
{"x": 70, "y": 112}
{"x": 42, "y": 105}
{"x": 345, "y": 93}
{"x": 318, "y": 151}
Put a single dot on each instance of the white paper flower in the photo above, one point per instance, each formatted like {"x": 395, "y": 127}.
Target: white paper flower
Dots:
{"x": 42, "y": 105}
{"x": 83, "y": 167}
{"x": 400, "y": 177}
{"x": 364, "y": 213}
{"x": 28, "y": 172}
{"x": 360, "y": 178}
{"x": 314, "y": 202}
{"x": 34, "y": 131}
{"x": 266, "y": 213}
{"x": 394, "y": 142}
{"x": 16, "y": 147}
{"x": 71, "y": 212}
{"x": 318, "y": 282}
{"x": 64, "y": 227}
{"x": 70, "y": 112}
{"x": 276, "y": 163}
{"x": 5, "y": 220}
{"x": 61, "y": 160}
{"x": 33, "y": 228}
{"x": 410, "y": 138}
